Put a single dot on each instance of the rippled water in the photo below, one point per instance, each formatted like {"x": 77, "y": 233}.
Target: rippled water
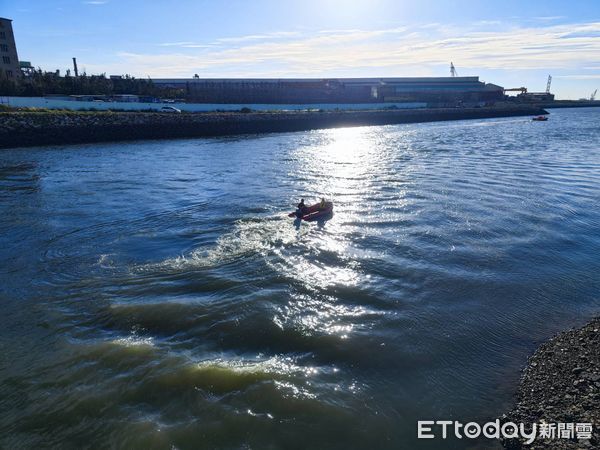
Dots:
{"x": 156, "y": 295}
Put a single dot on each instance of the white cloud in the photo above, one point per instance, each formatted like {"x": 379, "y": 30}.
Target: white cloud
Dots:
{"x": 174, "y": 44}
{"x": 185, "y": 44}
{"x": 226, "y": 41}
{"x": 259, "y": 37}
{"x": 548, "y": 18}
{"x": 581, "y": 76}
{"x": 396, "y": 51}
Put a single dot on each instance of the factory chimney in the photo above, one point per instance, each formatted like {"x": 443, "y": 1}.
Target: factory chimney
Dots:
{"x": 75, "y": 67}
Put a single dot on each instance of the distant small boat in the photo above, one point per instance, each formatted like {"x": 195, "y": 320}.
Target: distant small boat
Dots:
{"x": 539, "y": 118}
{"x": 314, "y": 212}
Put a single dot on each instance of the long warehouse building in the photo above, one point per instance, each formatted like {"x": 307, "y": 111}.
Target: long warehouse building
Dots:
{"x": 432, "y": 90}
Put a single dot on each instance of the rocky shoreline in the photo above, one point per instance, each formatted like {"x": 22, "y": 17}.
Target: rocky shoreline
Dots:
{"x": 25, "y": 129}
{"x": 561, "y": 384}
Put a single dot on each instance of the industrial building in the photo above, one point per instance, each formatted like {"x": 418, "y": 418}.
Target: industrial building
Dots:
{"x": 9, "y": 60}
{"x": 433, "y": 90}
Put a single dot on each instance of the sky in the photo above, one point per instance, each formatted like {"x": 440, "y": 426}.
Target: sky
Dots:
{"x": 509, "y": 43}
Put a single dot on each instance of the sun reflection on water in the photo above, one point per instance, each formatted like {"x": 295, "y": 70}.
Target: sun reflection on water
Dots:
{"x": 338, "y": 166}
{"x": 339, "y": 163}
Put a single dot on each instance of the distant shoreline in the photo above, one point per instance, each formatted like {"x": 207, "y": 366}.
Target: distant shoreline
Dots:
{"x": 27, "y": 129}
{"x": 570, "y": 104}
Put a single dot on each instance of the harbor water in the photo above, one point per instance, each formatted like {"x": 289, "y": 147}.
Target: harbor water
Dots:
{"x": 156, "y": 295}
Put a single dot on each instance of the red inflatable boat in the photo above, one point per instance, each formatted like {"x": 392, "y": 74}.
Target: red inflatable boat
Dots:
{"x": 314, "y": 212}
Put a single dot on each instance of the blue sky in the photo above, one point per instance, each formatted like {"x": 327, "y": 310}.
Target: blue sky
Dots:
{"x": 511, "y": 43}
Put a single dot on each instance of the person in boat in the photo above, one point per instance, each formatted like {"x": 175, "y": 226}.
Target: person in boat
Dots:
{"x": 322, "y": 204}
{"x": 301, "y": 209}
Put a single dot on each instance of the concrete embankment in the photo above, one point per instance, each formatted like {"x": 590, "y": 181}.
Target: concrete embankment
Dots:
{"x": 23, "y": 129}
{"x": 561, "y": 385}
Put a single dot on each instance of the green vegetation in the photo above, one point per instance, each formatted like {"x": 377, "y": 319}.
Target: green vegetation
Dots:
{"x": 44, "y": 83}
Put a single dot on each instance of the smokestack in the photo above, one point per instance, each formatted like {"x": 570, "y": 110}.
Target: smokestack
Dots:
{"x": 75, "y": 67}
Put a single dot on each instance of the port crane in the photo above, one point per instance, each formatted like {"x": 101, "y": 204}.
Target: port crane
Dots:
{"x": 523, "y": 90}
{"x": 593, "y": 96}
{"x": 453, "y": 72}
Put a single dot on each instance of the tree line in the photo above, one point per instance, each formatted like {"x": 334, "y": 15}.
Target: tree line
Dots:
{"x": 39, "y": 83}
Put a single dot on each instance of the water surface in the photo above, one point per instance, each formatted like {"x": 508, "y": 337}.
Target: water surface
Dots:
{"x": 156, "y": 295}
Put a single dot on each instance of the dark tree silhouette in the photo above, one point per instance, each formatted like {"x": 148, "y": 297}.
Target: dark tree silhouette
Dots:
{"x": 44, "y": 83}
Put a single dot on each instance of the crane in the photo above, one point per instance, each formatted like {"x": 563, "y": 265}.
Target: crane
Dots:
{"x": 548, "y": 84}
{"x": 453, "y": 71}
{"x": 593, "y": 96}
